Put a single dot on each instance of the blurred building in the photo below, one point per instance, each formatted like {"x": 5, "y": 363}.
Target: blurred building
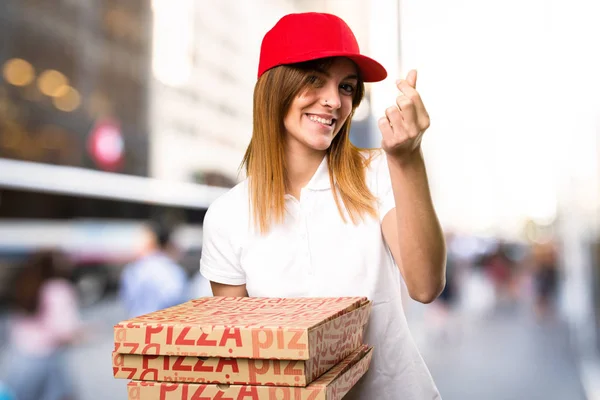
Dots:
{"x": 74, "y": 84}
{"x": 499, "y": 152}
{"x": 204, "y": 63}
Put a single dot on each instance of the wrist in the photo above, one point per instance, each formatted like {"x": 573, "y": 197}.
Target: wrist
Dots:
{"x": 406, "y": 160}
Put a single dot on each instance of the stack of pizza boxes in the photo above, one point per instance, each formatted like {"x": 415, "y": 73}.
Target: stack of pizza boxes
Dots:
{"x": 245, "y": 348}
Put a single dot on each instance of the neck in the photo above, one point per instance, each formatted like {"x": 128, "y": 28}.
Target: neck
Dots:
{"x": 301, "y": 165}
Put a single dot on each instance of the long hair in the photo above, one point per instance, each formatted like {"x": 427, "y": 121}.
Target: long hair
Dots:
{"x": 264, "y": 160}
{"x": 38, "y": 268}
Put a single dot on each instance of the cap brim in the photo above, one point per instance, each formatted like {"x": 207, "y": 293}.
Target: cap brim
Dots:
{"x": 370, "y": 70}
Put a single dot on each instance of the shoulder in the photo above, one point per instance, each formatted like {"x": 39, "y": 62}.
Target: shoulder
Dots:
{"x": 230, "y": 209}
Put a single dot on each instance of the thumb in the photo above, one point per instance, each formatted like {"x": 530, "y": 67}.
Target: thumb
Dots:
{"x": 411, "y": 78}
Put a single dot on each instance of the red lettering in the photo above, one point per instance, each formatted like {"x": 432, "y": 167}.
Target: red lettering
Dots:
{"x": 280, "y": 340}
{"x": 231, "y": 333}
{"x": 131, "y": 371}
{"x": 203, "y": 342}
{"x": 165, "y": 388}
{"x": 121, "y": 335}
{"x": 133, "y": 393}
{"x": 254, "y": 370}
{"x": 220, "y": 396}
{"x": 294, "y": 340}
{"x": 314, "y": 393}
{"x": 199, "y": 367}
{"x": 149, "y": 372}
{"x": 289, "y": 369}
{"x": 334, "y": 391}
{"x": 178, "y": 365}
{"x": 258, "y": 344}
{"x": 170, "y": 334}
{"x": 198, "y": 392}
{"x": 334, "y": 347}
{"x": 285, "y": 391}
{"x": 118, "y": 360}
{"x": 151, "y": 330}
{"x": 146, "y": 360}
{"x": 181, "y": 340}
{"x": 149, "y": 347}
{"x": 337, "y": 323}
{"x": 248, "y": 391}
{"x": 132, "y": 347}
{"x": 316, "y": 364}
{"x": 319, "y": 338}
{"x": 232, "y": 362}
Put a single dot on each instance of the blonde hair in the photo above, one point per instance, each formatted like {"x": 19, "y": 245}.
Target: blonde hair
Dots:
{"x": 264, "y": 160}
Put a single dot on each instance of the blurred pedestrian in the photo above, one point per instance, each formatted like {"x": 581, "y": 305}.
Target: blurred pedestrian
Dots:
{"x": 442, "y": 319}
{"x": 154, "y": 281}
{"x": 545, "y": 276}
{"x": 44, "y": 324}
{"x": 500, "y": 270}
{"x": 319, "y": 217}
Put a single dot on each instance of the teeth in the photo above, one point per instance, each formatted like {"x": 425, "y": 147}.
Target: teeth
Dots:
{"x": 321, "y": 120}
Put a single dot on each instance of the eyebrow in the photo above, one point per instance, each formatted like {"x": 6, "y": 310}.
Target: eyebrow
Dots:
{"x": 327, "y": 74}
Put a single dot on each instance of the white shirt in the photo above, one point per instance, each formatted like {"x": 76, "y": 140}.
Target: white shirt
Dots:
{"x": 313, "y": 253}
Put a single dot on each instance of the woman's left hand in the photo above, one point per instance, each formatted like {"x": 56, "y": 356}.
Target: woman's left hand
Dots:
{"x": 404, "y": 124}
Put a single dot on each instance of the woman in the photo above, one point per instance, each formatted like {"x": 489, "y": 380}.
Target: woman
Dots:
{"x": 319, "y": 217}
{"x": 45, "y": 322}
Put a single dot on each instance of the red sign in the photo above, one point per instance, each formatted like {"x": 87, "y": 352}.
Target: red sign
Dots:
{"x": 106, "y": 145}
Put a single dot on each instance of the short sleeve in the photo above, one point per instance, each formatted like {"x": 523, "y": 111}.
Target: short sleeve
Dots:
{"x": 378, "y": 175}
{"x": 220, "y": 260}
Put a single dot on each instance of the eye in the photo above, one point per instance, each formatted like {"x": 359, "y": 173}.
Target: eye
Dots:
{"x": 347, "y": 88}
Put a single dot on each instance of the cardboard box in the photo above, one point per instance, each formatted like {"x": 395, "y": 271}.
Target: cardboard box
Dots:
{"x": 333, "y": 385}
{"x": 247, "y": 327}
{"x": 241, "y": 371}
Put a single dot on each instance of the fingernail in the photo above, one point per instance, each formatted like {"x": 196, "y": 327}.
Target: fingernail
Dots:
{"x": 398, "y": 81}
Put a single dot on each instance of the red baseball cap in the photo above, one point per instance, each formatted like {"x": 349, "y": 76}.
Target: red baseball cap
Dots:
{"x": 309, "y": 36}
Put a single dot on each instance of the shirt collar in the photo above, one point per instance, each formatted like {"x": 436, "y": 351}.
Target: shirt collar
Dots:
{"x": 320, "y": 179}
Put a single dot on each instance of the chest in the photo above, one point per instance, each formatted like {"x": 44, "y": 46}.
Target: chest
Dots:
{"x": 315, "y": 253}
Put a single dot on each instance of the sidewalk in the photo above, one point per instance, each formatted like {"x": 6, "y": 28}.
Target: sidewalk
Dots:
{"x": 502, "y": 355}
{"x": 590, "y": 377}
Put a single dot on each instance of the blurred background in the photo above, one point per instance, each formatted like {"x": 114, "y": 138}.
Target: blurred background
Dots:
{"x": 114, "y": 114}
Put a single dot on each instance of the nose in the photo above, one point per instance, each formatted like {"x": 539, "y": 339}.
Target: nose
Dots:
{"x": 330, "y": 97}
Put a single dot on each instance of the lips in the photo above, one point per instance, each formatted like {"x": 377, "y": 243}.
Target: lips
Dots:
{"x": 322, "y": 119}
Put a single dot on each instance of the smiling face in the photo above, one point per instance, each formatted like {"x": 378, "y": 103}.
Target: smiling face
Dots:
{"x": 317, "y": 113}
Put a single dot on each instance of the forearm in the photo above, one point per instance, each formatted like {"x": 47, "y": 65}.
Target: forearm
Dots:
{"x": 420, "y": 238}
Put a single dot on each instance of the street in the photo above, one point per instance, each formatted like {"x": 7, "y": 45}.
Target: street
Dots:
{"x": 506, "y": 357}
